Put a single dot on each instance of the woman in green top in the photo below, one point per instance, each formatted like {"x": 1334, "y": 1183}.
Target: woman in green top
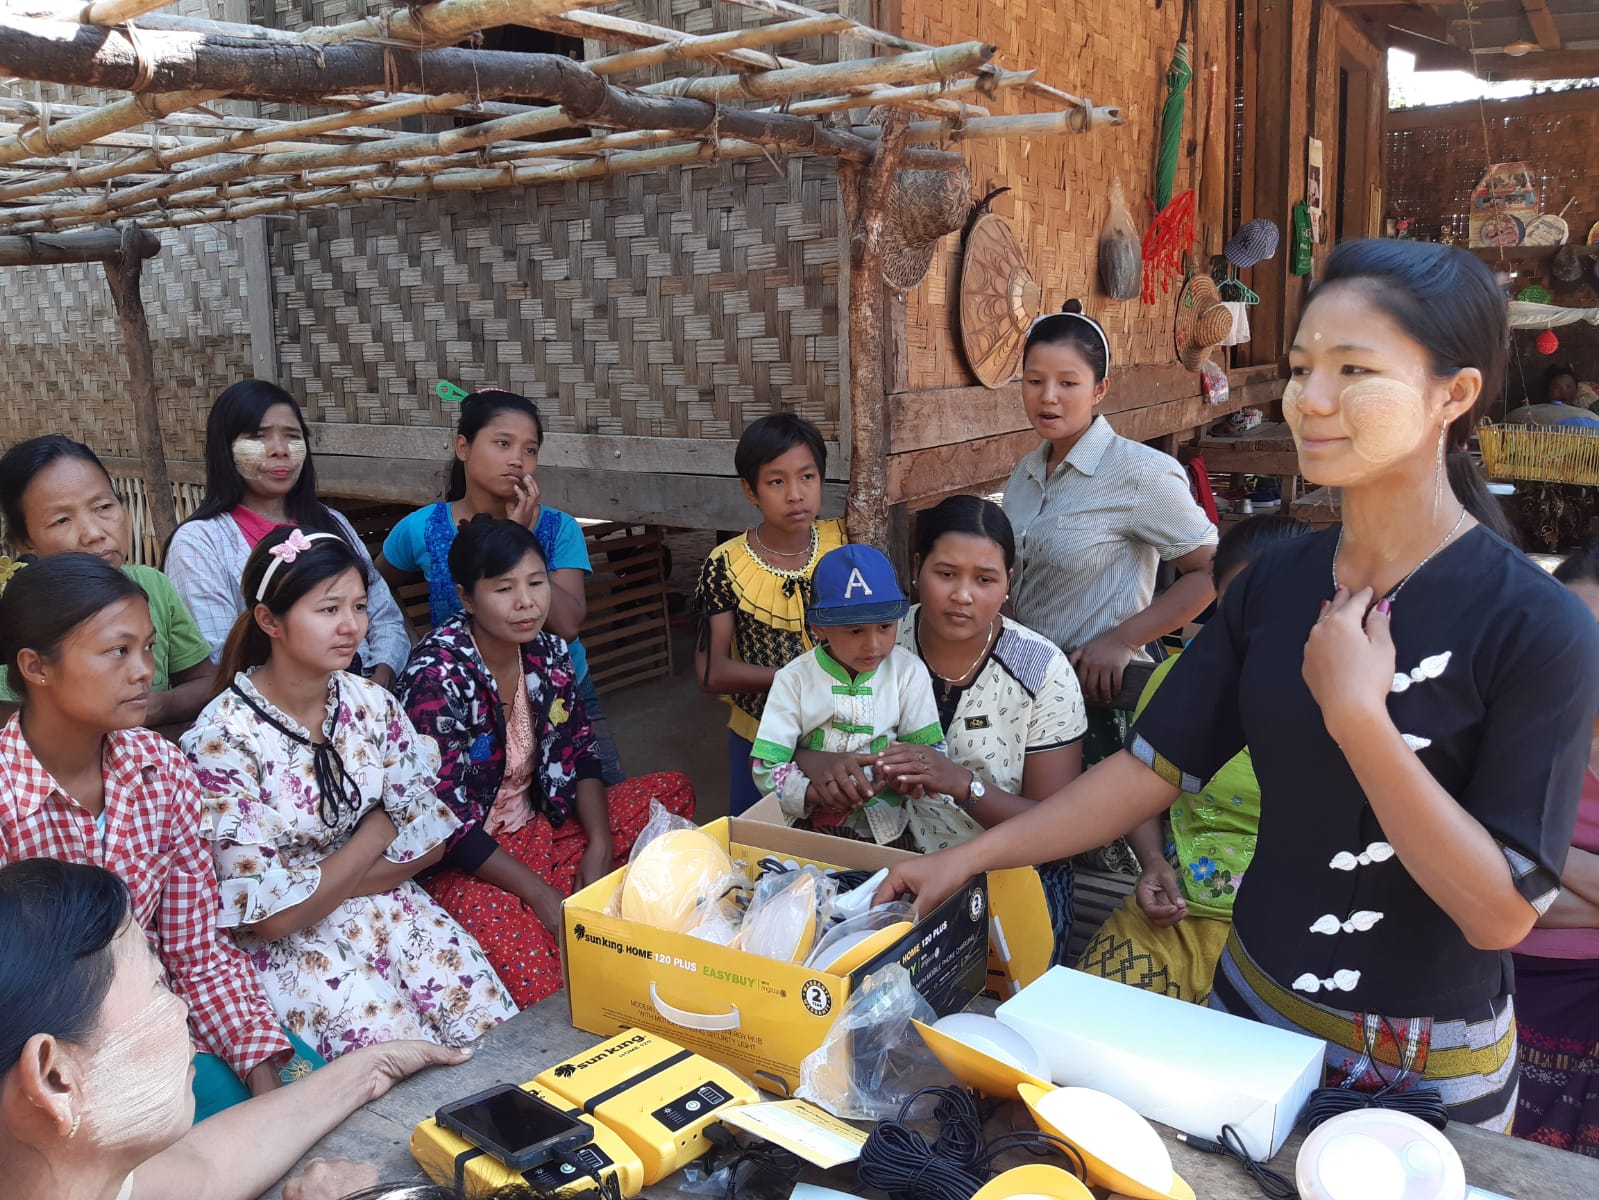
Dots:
{"x": 57, "y": 497}
{"x": 1168, "y": 935}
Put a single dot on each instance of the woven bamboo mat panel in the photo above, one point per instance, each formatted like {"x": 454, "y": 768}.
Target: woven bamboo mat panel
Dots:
{"x": 699, "y": 17}
{"x": 1114, "y": 53}
{"x": 1431, "y": 172}
{"x": 679, "y": 304}
{"x": 135, "y": 493}
{"x": 62, "y": 369}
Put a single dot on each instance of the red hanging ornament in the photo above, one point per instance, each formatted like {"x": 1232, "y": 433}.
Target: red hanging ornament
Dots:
{"x": 1547, "y": 342}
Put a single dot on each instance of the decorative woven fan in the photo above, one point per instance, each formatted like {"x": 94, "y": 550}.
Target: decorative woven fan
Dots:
{"x": 999, "y": 300}
{"x": 1203, "y": 321}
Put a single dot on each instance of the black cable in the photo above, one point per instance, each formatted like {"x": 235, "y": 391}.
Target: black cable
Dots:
{"x": 1424, "y": 1103}
{"x": 1270, "y": 1183}
{"x": 728, "y": 1153}
{"x": 609, "y": 1189}
{"x": 900, "y": 1161}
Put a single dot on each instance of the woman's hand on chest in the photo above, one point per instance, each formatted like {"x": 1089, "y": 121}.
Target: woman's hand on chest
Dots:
{"x": 1349, "y": 662}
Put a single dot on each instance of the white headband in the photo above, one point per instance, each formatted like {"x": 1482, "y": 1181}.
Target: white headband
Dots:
{"x": 1087, "y": 320}
{"x": 286, "y": 551}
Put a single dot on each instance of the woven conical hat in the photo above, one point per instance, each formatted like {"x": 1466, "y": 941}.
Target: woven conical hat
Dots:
{"x": 999, "y": 299}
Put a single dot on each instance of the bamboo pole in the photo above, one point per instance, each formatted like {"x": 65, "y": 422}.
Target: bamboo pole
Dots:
{"x": 96, "y": 245}
{"x": 111, "y": 118}
{"x": 488, "y": 179}
{"x": 438, "y": 24}
{"x": 117, "y": 12}
{"x": 867, "y": 506}
{"x": 587, "y": 100}
{"x": 876, "y": 37}
{"x": 122, "y": 272}
{"x": 184, "y": 119}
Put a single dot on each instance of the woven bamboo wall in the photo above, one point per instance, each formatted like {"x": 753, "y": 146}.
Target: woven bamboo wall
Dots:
{"x": 1433, "y": 167}
{"x": 62, "y": 368}
{"x": 676, "y": 304}
{"x": 680, "y": 304}
{"x": 61, "y": 364}
{"x": 1114, "y": 53}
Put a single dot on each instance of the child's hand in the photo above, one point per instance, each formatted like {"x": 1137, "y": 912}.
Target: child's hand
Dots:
{"x": 525, "y": 505}
{"x": 1160, "y": 896}
{"x": 843, "y": 780}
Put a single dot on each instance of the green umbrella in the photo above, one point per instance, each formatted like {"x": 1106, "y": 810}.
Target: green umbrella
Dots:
{"x": 1178, "y": 77}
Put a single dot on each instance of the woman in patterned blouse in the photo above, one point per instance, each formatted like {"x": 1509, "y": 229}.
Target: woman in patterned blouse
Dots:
{"x": 319, "y": 808}
{"x": 520, "y": 770}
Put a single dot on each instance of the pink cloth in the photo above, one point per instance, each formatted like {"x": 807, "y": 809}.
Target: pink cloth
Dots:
{"x": 511, "y": 809}
{"x": 253, "y": 525}
{"x": 1573, "y": 943}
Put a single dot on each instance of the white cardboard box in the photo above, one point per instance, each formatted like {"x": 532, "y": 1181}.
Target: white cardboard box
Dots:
{"x": 1184, "y": 1066}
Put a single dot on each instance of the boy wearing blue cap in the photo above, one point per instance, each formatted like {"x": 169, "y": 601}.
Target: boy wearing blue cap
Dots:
{"x": 855, "y": 693}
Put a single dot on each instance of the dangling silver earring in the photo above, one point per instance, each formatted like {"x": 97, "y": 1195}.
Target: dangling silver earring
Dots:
{"x": 1438, "y": 474}
{"x": 77, "y": 1119}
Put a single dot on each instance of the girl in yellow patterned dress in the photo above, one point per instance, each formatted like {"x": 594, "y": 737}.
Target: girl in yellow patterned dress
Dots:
{"x": 753, "y": 589}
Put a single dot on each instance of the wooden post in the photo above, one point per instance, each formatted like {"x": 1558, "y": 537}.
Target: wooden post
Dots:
{"x": 122, "y": 273}
{"x": 867, "y": 508}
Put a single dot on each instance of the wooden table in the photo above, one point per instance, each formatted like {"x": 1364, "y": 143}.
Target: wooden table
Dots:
{"x": 531, "y": 1041}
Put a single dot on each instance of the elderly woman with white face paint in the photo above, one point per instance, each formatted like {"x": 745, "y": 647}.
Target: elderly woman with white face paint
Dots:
{"x": 1418, "y": 699}
{"x": 95, "y": 1061}
{"x": 259, "y": 476}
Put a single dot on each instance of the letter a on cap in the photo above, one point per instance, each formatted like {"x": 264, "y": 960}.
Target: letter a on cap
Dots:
{"x": 856, "y": 580}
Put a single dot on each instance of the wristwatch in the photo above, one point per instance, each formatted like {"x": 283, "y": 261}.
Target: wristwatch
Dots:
{"x": 975, "y": 791}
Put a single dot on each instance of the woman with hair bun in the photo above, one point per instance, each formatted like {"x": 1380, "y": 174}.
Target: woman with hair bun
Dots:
{"x": 520, "y": 769}
{"x": 1095, "y": 516}
{"x": 1418, "y": 699}
{"x": 319, "y": 808}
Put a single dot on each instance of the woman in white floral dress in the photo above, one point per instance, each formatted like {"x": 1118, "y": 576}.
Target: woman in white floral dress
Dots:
{"x": 320, "y": 808}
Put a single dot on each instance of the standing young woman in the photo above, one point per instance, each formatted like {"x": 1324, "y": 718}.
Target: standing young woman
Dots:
{"x": 80, "y": 781}
{"x": 1095, "y": 515}
{"x": 1417, "y": 696}
{"x": 319, "y": 807}
{"x": 259, "y": 476}
{"x": 519, "y": 769}
{"x": 57, "y": 498}
{"x": 497, "y": 444}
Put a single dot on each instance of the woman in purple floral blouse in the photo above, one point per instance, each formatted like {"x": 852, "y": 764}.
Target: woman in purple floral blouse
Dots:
{"x": 519, "y": 765}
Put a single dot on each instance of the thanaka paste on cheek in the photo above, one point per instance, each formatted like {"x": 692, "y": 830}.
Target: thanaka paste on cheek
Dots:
{"x": 1383, "y": 418}
{"x": 250, "y": 456}
{"x": 136, "y": 1086}
{"x": 1293, "y": 397}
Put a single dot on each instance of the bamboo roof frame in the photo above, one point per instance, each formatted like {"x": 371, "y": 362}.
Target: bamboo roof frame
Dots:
{"x": 159, "y": 155}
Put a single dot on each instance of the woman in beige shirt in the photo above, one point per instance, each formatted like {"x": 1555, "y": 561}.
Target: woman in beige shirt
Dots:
{"x": 1095, "y": 515}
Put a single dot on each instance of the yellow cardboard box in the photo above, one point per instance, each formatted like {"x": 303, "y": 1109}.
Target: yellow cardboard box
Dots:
{"x": 449, "y": 1160}
{"x": 1021, "y": 937}
{"x": 756, "y": 1015}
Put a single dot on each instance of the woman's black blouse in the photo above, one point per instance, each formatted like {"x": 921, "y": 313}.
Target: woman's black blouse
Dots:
{"x": 1496, "y": 689}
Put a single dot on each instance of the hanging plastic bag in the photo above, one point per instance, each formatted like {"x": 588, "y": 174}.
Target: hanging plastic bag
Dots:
{"x": 1300, "y": 262}
{"x": 1214, "y": 382}
{"x": 786, "y": 914}
{"x": 871, "y": 1064}
{"x": 1121, "y": 258}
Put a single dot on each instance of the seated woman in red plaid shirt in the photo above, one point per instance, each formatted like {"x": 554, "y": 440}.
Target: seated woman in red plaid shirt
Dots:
{"x": 80, "y": 781}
